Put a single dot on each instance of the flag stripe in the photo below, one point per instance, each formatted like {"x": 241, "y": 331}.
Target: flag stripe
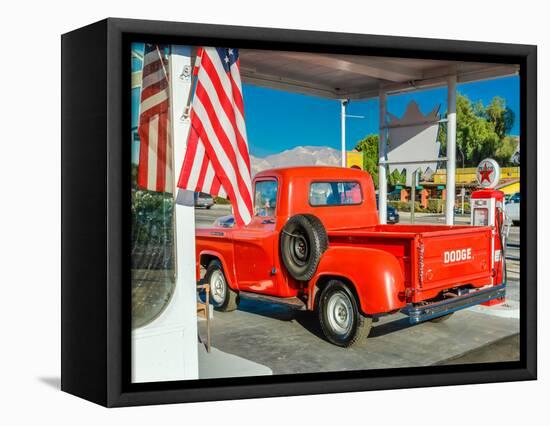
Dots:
{"x": 202, "y": 174}
{"x": 224, "y": 169}
{"x": 143, "y": 168}
{"x": 221, "y": 146}
{"x": 216, "y": 92}
{"x": 209, "y": 178}
{"x": 169, "y": 172}
{"x": 155, "y": 171}
{"x": 221, "y": 163}
{"x": 193, "y": 171}
{"x": 230, "y": 89}
{"x": 161, "y": 151}
{"x": 154, "y": 100}
{"x": 152, "y": 78}
{"x": 153, "y": 143}
{"x": 225, "y": 130}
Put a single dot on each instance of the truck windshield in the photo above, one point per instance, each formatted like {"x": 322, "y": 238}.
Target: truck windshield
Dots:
{"x": 334, "y": 193}
{"x": 265, "y": 198}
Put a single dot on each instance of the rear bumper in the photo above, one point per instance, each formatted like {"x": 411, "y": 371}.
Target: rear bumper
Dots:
{"x": 437, "y": 309}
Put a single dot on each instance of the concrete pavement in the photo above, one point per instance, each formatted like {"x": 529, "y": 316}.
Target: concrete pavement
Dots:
{"x": 289, "y": 342}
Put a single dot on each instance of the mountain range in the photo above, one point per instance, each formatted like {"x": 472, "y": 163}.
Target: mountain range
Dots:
{"x": 299, "y": 156}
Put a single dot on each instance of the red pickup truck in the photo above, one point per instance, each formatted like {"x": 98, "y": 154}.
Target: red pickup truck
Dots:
{"x": 315, "y": 243}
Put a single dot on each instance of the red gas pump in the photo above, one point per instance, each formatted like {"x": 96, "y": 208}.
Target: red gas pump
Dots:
{"x": 487, "y": 209}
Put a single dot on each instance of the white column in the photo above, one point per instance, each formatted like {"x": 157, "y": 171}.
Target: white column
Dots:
{"x": 451, "y": 150}
{"x": 382, "y": 182}
{"x": 167, "y": 348}
{"x": 343, "y": 104}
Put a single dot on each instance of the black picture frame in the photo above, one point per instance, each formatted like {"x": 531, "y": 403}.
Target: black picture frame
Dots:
{"x": 95, "y": 206}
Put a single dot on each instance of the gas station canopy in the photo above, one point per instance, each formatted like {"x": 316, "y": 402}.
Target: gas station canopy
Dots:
{"x": 357, "y": 77}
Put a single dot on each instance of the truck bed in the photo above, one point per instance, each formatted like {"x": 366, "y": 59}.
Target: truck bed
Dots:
{"x": 433, "y": 257}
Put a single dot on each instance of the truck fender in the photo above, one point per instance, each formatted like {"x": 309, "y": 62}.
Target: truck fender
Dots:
{"x": 229, "y": 273}
{"x": 375, "y": 275}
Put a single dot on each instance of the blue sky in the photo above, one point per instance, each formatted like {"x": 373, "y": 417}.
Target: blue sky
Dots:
{"x": 278, "y": 120}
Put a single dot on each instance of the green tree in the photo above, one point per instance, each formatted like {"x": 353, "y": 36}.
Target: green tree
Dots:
{"x": 500, "y": 115}
{"x": 369, "y": 147}
{"x": 476, "y": 136}
{"x": 506, "y": 148}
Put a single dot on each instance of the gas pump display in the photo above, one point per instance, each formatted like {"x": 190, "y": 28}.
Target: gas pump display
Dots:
{"x": 480, "y": 213}
{"x": 487, "y": 209}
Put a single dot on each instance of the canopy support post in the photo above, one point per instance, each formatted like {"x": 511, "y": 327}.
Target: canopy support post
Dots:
{"x": 343, "y": 104}
{"x": 451, "y": 150}
{"x": 382, "y": 182}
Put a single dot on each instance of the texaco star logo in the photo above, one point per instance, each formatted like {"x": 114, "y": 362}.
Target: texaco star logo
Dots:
{"x": 488, "y": 173}
{"x": 485, "y": 173}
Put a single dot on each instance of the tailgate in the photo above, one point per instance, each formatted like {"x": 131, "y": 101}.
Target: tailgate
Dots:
{"x": 450, "y": 258}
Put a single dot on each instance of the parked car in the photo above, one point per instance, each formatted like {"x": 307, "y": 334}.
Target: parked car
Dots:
{"x": 513, "y": 208}
{"x": 203, "y": 200}
{"x": 225, "y": 221}
{"x": 392, "y": 215}
{"x": 315, "y": 243}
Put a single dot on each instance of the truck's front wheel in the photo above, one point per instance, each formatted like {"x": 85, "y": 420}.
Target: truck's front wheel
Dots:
{"x": 222, "y": 296}
{"x": 341, "y": 320}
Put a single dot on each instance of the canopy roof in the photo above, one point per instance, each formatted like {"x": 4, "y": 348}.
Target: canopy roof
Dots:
{"x": 356, "y": 77}
{"x": 353, "y": 76}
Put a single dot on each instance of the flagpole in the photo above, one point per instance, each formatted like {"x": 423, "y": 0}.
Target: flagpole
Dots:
{"x": 187, "y": 111}
{"x": 173, "y": 165}
{"x": 185, "y": 116}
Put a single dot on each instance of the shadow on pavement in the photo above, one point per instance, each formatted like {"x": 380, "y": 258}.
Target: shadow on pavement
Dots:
{"x": 389, "y": 327}
{"x": 309, "y": 320}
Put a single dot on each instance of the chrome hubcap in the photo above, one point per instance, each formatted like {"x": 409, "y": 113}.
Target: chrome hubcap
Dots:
{"x": 339, "y": 313}
{"x": 217, "y": 287}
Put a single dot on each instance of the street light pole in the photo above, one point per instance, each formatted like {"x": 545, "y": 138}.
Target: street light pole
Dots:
{"x": 343, "y": 104}
{"x": 451, "y": 150}
{"x": 462, "y": 191}
{"x": 382, "y": 182}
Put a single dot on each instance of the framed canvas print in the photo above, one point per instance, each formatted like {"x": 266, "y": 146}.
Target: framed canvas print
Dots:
{"x": 251, "y": 212}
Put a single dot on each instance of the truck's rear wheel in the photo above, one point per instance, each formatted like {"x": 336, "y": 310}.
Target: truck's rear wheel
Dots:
{"x": 340, "y": 318}
{"x": 222, "y": 296}
{"x": 303, "y": 240}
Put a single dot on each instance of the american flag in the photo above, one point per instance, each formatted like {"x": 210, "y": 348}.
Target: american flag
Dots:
{"x": 217, "y": 160}
{"x": 155, "y": 153}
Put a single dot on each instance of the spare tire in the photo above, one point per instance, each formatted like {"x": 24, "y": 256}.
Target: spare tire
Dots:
{"x": 302, "y": 241}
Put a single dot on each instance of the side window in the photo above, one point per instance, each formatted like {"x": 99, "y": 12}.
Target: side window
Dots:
{"x": 265, "y": 198}
{"x": 335, "y": 193}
